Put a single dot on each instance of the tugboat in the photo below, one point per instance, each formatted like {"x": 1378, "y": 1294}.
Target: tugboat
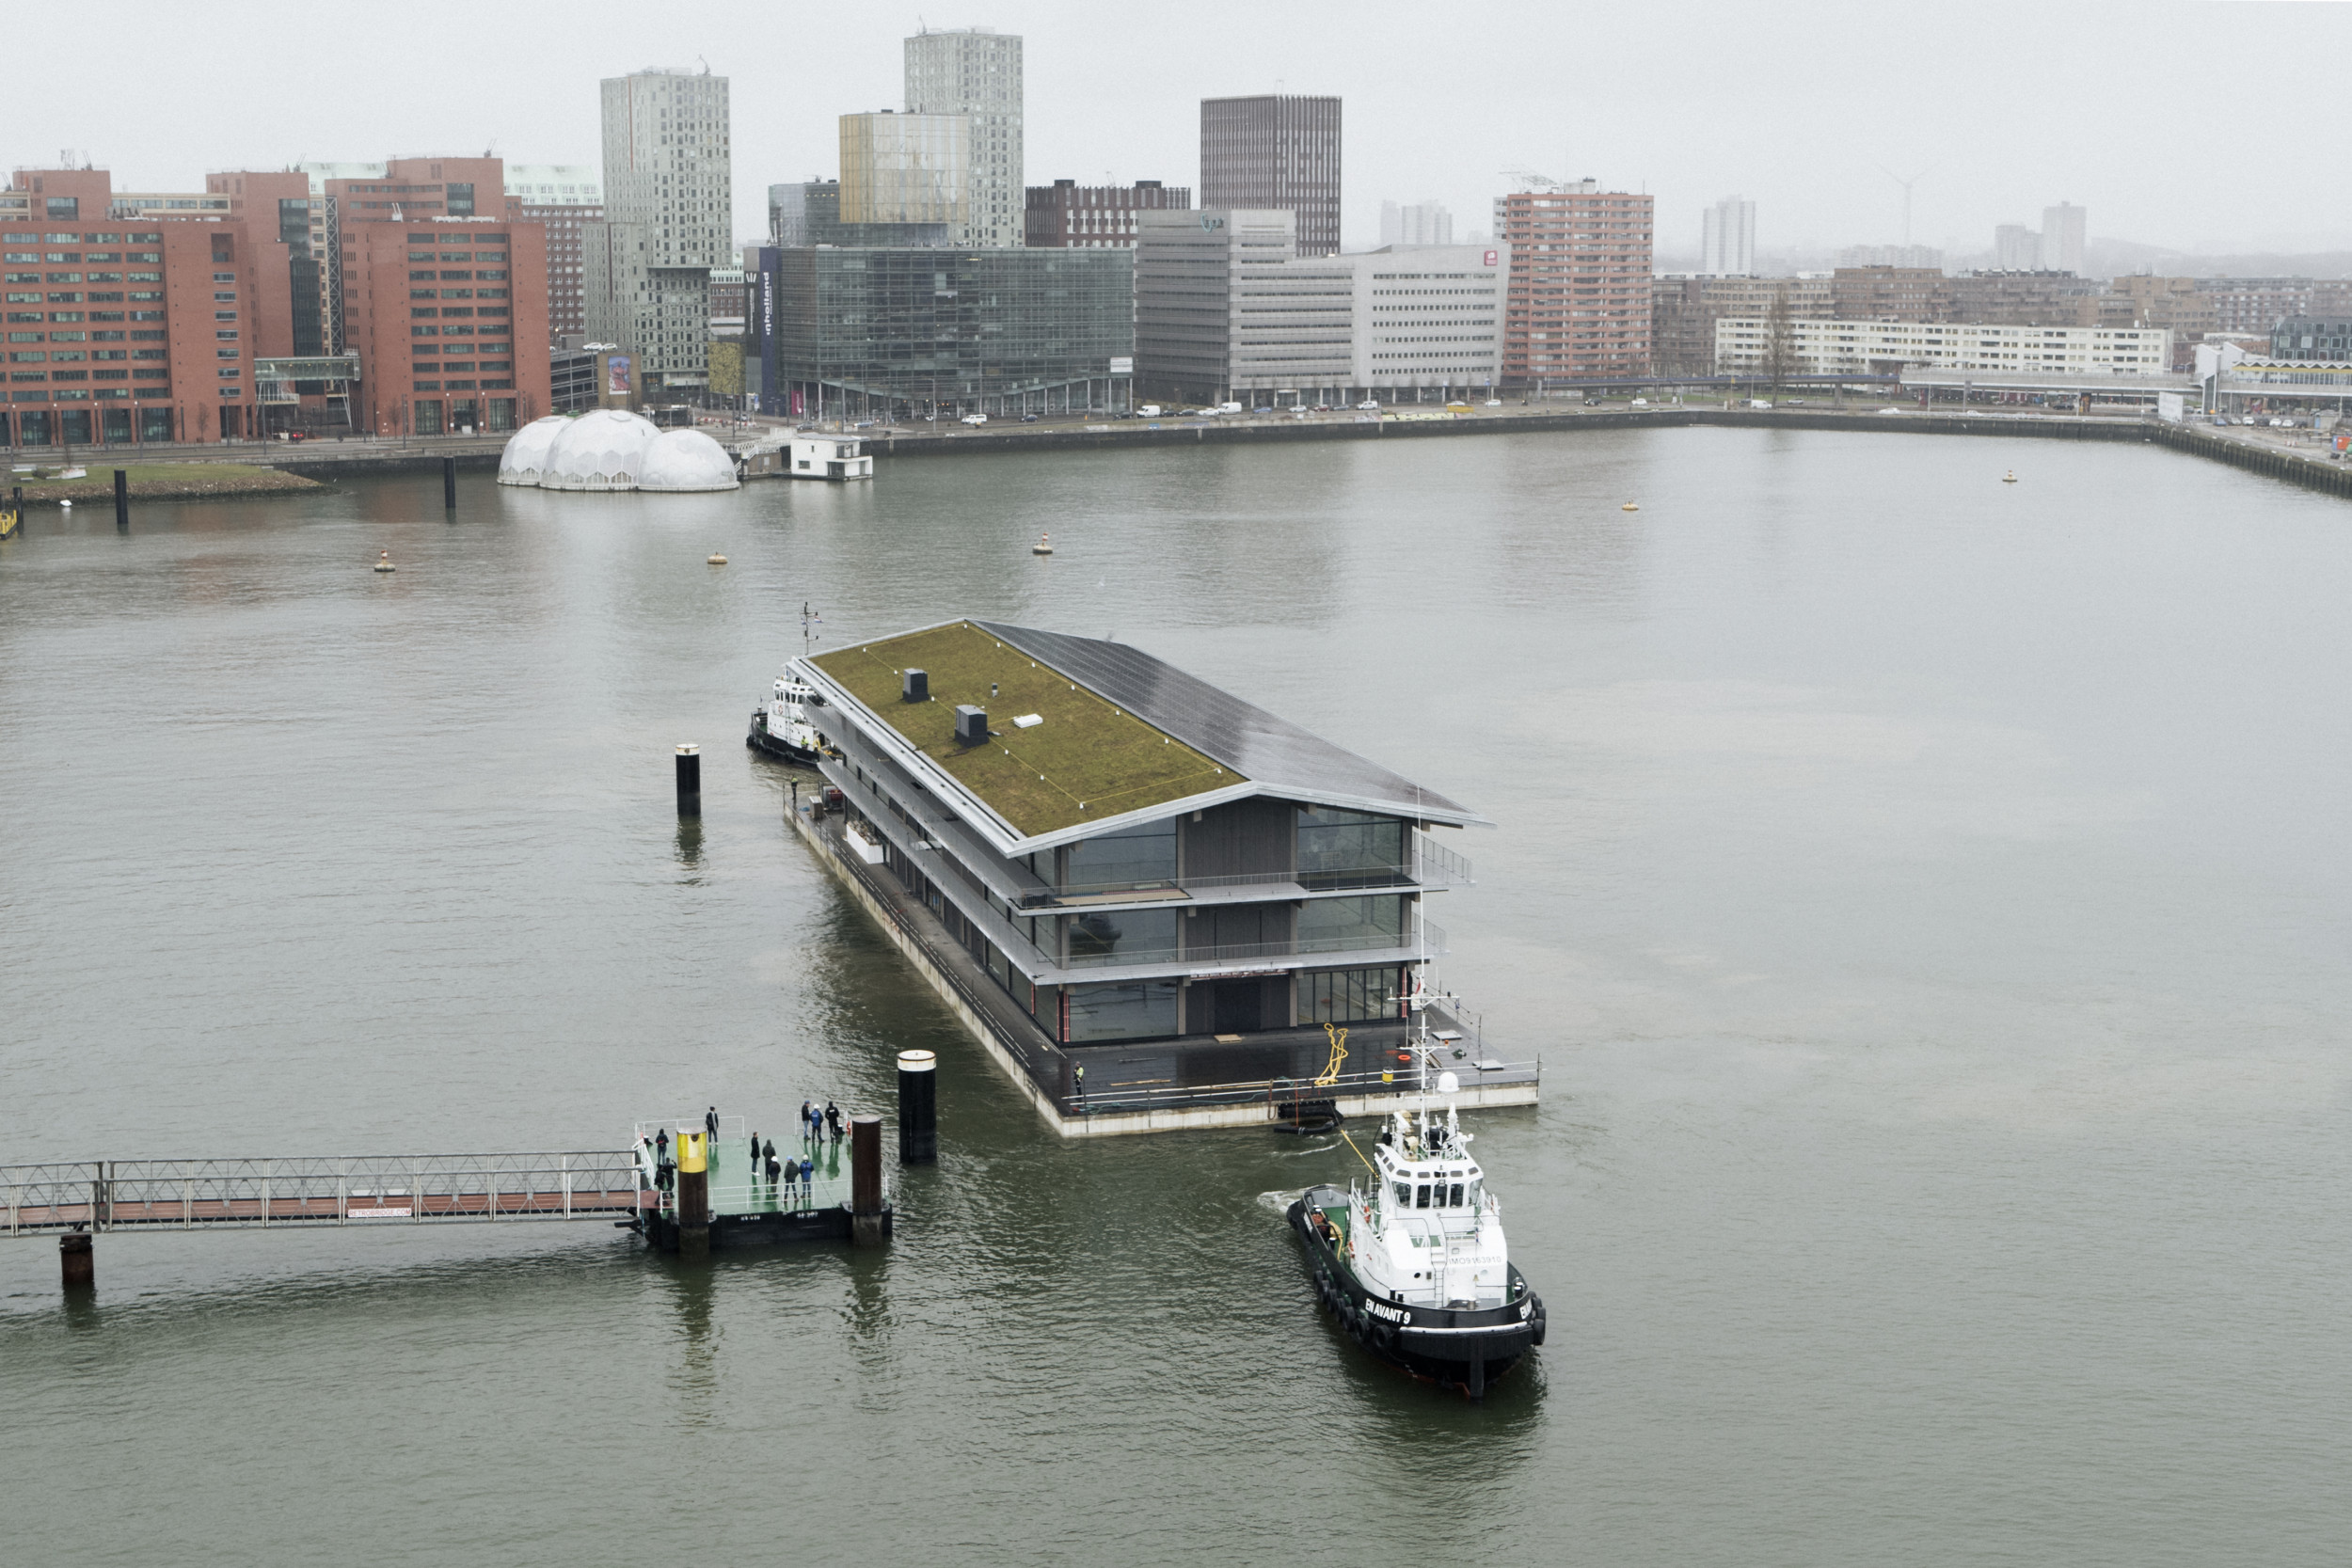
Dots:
{"x": 785, "y": 727}
{"x": 1416, "y": 1269}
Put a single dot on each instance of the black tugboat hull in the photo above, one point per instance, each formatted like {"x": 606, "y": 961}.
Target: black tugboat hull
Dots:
{"x": 760, "y": 740}
{"x": 1457, "y": 1348}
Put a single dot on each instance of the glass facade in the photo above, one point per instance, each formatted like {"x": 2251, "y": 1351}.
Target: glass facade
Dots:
{"x": 919, "y": 333}
{"x": 1141, "y": 1009}
{"x": 1350, "y": 995}
{"x": 1340, "y": 849}
{"x": 1144, "y": 856}
{"x": 1338, "y": 925}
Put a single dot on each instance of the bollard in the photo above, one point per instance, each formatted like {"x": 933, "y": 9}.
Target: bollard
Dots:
{"x": 77, "y": 1261}
{"x": 868, "y": 1225}
{"x": 690, "y": 781}
{"x": 918, "y": 1107}
{"x": 448, "y": 485}
{"x": 693, "y": 1194}
{"x": 122, "y": 498}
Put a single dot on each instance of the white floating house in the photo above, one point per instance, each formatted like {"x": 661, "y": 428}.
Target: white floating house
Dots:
{"x": 610, "y": 448}
{"x": 830, "y": 457}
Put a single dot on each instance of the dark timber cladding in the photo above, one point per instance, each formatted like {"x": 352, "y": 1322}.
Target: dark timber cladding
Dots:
{"x": 1122, "y": 853}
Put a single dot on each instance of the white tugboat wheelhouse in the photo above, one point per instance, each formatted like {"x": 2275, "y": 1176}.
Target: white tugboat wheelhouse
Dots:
{"x": 1130, "y": 853}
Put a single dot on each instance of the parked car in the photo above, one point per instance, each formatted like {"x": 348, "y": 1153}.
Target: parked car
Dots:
{"x": 1028, "y": 419}
{"x": 1228, "y": 407}
{"x": 1149, "y": 411}
{"x": 1263, "y": 408}
{"x": 975, "y": 418}
{"x": 1641, "y": 402}
{"x": 1494, "y": 403}
{"x": 1370, "y": 403}
{"x": 1759, "y": 402}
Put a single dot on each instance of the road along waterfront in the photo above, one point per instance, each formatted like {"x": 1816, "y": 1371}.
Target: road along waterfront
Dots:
{"x": 1927, "y": 895}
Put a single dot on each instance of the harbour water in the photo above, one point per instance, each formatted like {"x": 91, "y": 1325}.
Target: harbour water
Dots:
{"x": 1928, "y": 897}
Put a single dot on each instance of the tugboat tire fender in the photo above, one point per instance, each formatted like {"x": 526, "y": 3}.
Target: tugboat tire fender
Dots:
{"x": 1536, "y": 1336}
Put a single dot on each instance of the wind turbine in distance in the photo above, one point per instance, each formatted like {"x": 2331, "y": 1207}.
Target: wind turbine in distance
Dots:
{"x": 1906, "y": 185}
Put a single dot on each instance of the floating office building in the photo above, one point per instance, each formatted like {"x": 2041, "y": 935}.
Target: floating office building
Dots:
{"x": 1146, "y": 895}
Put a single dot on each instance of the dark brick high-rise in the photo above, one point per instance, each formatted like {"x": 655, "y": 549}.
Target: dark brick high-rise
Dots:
{"x": 1275, "y": 152}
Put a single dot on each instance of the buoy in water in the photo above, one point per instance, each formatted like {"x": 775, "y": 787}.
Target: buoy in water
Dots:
{"x": 1628, "y": 507}
{"x": 67, "y": 504}
{"x": 718, "y": 560}
{"x": 1045, "y": 545}
{"x": 2010, "y": 478}
{"x": 384, "y": 562}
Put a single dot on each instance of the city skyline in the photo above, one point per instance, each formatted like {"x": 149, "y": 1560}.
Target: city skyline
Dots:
{"x": 1992, "y": 153}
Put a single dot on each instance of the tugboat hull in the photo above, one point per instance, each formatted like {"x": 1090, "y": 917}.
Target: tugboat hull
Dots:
{"x": 1457, "y": 1347}
{"x": 760, "y": 740}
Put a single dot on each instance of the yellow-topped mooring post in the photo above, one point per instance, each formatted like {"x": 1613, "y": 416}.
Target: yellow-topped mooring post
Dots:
{"x": 693, "y": 1194}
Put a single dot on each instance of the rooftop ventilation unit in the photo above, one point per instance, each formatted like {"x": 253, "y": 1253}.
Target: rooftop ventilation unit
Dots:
{"x": 917, "y": 687}
{"x": 971, "y": 725}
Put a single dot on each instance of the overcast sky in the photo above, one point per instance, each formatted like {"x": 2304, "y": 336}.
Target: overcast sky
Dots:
{"x": 2206, "y": 127}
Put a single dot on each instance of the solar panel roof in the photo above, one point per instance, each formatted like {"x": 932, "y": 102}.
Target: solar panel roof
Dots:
{"x": 1280, "y": 757}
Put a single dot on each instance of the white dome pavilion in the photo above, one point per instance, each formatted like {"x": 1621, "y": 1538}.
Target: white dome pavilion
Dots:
{"x": 687, "y": 460}
{"x": 602, "y": 450}
{"x": 526, "y": 450}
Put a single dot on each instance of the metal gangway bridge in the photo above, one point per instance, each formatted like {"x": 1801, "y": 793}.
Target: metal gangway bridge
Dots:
{"x": 258, "y": 1193}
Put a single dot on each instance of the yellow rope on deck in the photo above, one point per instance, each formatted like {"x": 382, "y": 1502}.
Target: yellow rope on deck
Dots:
{"x": 1339, "y": 1054}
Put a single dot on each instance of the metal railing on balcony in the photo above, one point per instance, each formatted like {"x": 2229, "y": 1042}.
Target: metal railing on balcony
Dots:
{"x": 1433, "y": 944}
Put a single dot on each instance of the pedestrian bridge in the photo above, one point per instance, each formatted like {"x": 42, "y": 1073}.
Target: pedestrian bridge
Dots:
{"x": 200, "y": 1194}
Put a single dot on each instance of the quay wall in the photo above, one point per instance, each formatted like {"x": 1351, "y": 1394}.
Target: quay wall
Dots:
{"x": 2290, "y": 467}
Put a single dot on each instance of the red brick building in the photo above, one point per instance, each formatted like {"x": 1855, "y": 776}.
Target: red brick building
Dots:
{"x": 1578, "y": 302}
{"x": 149, "y": 329}
{"x": 1068, "y": 216}
{"x": 121, "y": 331}
{"x": 440, "y": 277}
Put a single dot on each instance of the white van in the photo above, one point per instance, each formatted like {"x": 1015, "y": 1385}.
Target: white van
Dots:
{"x": 1228, "y": 407}
{"x": 1149, "y": 411}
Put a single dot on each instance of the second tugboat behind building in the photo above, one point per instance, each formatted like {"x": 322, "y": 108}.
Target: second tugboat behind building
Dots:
{"x": 787, "y": 727}
{"x": 1416, "y": 1268}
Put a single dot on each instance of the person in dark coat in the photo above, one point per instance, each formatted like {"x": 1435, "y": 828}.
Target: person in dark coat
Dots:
{"x": 661, "y": 1145}
{"x": 808, "y": 1178}
{"x": 711, "y": 1123}
{"x": 833, "y": 1119}
{"x": 774, "y": 1170}
{"x": 754, "y": 1153}
{"x": 769, "y": 1152}
{"x": 805, "y": 1112}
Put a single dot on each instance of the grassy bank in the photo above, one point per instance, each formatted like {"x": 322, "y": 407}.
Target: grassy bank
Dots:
{"x": 162, "y": 482}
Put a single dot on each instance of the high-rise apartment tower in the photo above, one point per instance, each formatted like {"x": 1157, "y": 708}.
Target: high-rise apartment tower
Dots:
{"x": 976, "y": 73}
{"x": 668, "y": 197}
{"x": 1727, "y": 239}
{"x": 2062, "y": 228}
{"x": 1274, "y": 154}
{"x": 1579, "y": 298}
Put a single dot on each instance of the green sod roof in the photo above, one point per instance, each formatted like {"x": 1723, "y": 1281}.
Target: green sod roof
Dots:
{"x": 1089, "y": 759}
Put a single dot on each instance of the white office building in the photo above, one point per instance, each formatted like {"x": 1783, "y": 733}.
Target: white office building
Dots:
{"x": 1868, "y": 347}
{"x": 1226, "y": 309}
{"x": 1727, "y": 239}
{"x": 1415, "y": 223}
{"x": 668, "y": 196}
{"x": 976, "y": 73}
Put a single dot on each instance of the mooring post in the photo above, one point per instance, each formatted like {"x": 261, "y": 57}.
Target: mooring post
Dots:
{"x": 122, "y": 498}
{"x": 693, "y": 1194}
{"x": 918, "y": 1107}
{"x": 78, "y": 1263}
{"x": 690, "y": 781}
{"x": 448, "y": 485}
{"x": 868, "y": 1225}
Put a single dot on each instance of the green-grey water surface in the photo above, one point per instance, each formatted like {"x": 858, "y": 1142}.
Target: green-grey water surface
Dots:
{"x": 1928, "y": 897}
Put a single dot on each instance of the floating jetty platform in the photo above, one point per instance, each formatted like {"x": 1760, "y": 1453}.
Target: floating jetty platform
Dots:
{"x": 683, "y": 1189}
